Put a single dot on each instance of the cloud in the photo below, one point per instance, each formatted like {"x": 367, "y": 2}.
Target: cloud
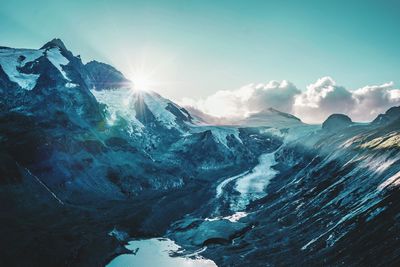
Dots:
{"x": 322, "y": 99}
{"x": 237, "y": 104}
{"x": 374, "y": 100}
{"x": 314, "y": 105}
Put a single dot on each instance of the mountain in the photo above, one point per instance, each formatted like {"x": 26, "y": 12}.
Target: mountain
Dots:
{"x": 336, "y": 122}
{"x": 390, "y": 116}
{"x": 88, "y": 162}
{"x": 105, "y": 76}
{"x": 270, "y": 117}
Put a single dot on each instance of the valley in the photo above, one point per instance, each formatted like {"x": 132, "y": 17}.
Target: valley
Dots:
{"x": 95, "y": 172}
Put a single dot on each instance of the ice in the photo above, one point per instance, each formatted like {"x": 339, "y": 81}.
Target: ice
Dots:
{"x": 393, "y": 181}
{"x": 221, "y": 186}
{"x": 58, "y": 60}
{"x": 157, "y": 106}
{"x": 236, "y": 216}
{"x": 159, "y": 252}
{"x": 232, "y": 218}
{"x": 10, "y": 61}
{"x": 221, "y": 133}
{"x": 120, "y": 102}
{"x": 71, "y": 85}
{"x": 252, "y": 185}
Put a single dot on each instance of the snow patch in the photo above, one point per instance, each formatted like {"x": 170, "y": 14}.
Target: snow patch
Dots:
{"x": 10, "y": 61}
{"x": 120, "y": 103}
{"x": 221, "y": 133}
{"x": 157, "y": 105}
{"x": 118, "y": 234}
{"x": 232, "y": 218}
{"x": 71, "y": 85}
{"x": 58, "y": 60}
{"x": 393, "y": 181}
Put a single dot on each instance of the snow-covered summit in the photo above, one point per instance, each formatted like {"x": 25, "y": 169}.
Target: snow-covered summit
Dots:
{"x": 55, "y": 43}
{"x": 13, "y": 60}
{"x": 143, "y": 108}
{"x": 53, "y": 62}
{"x": 270, "y": 117}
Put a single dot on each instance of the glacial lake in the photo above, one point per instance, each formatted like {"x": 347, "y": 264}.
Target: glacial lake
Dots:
{"x": 158, "y": 252}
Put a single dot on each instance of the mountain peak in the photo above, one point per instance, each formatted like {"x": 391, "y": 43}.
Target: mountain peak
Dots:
{"x": 270, "y": 117}
{"x": 269, "y": 111}
{"x": 389, "y": 116}
{"x": 106, "y": 76}
{"x": 336, "y": 122}
{"x": 56, "y": 42}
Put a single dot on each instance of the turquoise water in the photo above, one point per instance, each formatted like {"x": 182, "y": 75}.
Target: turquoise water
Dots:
{"x": 157, "y": 252}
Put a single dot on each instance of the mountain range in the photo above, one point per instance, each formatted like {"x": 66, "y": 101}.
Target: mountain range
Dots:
{"x": 85, "y": 155}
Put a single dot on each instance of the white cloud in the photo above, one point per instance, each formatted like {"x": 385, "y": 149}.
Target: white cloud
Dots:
{"x": 322, "y": 99}
{"x": 237, "y": 104}
{"x": 374, "y": 100}
{"x": 314, "y": 105}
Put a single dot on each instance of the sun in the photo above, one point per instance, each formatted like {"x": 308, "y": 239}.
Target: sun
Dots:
{"x": 142, "y": 81}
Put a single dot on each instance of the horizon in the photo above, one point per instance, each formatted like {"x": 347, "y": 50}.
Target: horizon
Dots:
{"x": 192, "y": 53}
{"x": 327, "y": 84}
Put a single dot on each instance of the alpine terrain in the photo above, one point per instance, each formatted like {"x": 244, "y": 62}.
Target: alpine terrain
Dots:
{"x": 90, "y": 166}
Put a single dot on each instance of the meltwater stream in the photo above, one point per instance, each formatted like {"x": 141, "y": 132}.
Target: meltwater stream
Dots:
{"x": 164, "y": 252}
{"x": 250, "y": 184}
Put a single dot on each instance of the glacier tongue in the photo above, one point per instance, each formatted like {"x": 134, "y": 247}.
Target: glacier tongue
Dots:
{"x": 252, "y": 185}
{"x": 120, "y": 102}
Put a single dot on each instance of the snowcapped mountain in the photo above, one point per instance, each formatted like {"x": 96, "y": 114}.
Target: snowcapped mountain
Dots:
{"x": 82, "y": 154}
{"x": 270, "y": 117}
{"x": 50, "y": 65}
{"x": 143, "y": 109}
{"x": 11, "y": 60}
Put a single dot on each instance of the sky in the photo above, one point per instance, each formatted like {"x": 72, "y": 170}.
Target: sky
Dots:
{"x": 193, "y": 50}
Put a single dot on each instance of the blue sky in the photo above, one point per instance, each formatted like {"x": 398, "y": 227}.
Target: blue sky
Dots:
{"x": 195, "y": 48}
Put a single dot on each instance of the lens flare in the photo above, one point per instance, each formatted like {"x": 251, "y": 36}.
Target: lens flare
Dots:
{"x": 142, "y": 81}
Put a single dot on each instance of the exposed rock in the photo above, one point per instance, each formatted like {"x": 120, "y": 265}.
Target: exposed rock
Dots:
{"x": 208, "y": 232}
{"x": 336, "y": 122}
{"x": 389, "y": 116}
{"x": 105, "y": 76}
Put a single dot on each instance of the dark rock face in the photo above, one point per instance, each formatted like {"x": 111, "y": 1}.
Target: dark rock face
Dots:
{"x": 55, "y": 43}
{"x": 204, "y": 233}
{"x": 5, "y": 83}
{"x": 390, "y": 116}
{"x": 336, "y": 122}
{"x": 105, "y": 76}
